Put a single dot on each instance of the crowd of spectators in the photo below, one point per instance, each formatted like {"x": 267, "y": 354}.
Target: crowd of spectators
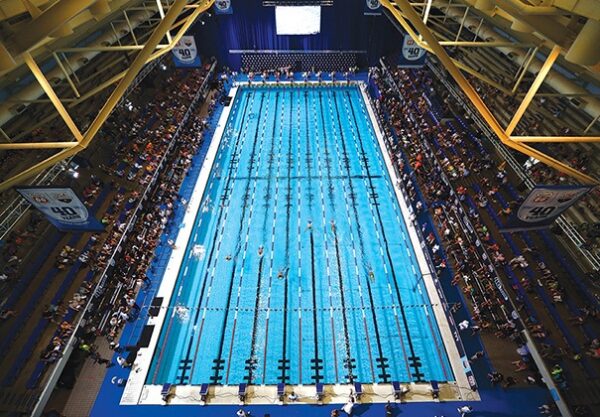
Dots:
{"x": 439, "y": 171}
{"x": 550, "y": 116}
{"x": 144, "y": 134}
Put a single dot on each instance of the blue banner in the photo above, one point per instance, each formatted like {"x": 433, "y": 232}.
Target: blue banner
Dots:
{"x": 223, "y": 7}
{"x": 372, "y": 8}
{"x": 543, "y": 205}
{"x": 411, "y": 55}
{"x": 185, "y": 53}
{"x": 62, "y": 207}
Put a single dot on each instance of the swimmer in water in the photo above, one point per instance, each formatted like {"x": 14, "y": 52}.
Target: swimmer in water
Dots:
{"x": 282, "y": 273}
{"x": 372, "y": 275}
{"x": 228, "y": 257}
{"x": 309, "y": 225}
{"x": 333, "y": 226}
{"x": 260, "y": 250}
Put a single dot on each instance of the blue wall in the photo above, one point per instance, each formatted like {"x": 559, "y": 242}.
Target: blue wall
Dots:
{"x": 252, "y": 26}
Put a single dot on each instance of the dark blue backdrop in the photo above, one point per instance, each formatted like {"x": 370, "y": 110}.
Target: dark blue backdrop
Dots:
{"x": 252, "y": 27}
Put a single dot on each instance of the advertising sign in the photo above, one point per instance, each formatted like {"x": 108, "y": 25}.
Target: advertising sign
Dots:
{"x": 543, "y": 205}
{"x": 185, "y": 53}
{"x": 412, "y": 56}
{"x": 62, "y": 207}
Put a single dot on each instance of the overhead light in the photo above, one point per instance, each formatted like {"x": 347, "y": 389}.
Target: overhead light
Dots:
{"x": 163, "y": 66}
{"x": 202, "y": 22}
{"x": 209, "y": 14}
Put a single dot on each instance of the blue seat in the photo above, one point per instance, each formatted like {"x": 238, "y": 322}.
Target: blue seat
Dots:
{"x": 435, "y": 389}
{"x": 320, "y": 391}
{"x": 204, "y": 392}
{"x": 281, "y": 391}
{"x": 358, "y": 390}
{"x": 242, "y": 391}
{"x": 397, "y": 390}
{"x": 165, "y": 392}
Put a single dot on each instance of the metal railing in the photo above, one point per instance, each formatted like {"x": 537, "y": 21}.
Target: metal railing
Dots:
{"x": 99, "y": 289}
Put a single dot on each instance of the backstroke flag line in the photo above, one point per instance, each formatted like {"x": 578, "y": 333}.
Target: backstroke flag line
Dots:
{"x": 62, "y": 207}
{"x": 543, "y": 205}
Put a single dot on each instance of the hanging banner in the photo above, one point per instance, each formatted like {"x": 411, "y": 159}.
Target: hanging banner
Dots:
{"x": 543, "y": 205}
{"x": 412, "y": 55}
{"x": 185, "y": 53}
{"x": 62, "y": 208}
{"x": 372, "y": 8}
{"x": 223, "y": 7}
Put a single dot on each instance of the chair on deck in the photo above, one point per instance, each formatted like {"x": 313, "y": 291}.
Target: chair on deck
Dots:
{"x": 358, "y": 390}
{"x": 320, "y": 392}
{"x": 242, "y": 391}
{"x": 165, "y": 392}
{"x": 203, "y": 392}
{"x": 435, "y": 389}
{"x": 281, "y": 391}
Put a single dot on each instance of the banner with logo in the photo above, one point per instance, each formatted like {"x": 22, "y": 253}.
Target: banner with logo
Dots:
{"x": 62, "y": 207}
{"x": 223, "y": 7}
{"x": 185, "y": 53}
{"x": 372, "y": 8}
{"x": 543, "y": 205}
{"x": 412, "y": 55}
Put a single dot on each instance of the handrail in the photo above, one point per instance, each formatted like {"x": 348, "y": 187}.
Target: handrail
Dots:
{"x": 81, "y": 321}
{"x": 574, "y": 236}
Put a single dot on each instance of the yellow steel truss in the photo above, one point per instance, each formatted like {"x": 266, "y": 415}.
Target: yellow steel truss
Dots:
{"x": 148, "y": 52}
{"x": 404, "y": 13}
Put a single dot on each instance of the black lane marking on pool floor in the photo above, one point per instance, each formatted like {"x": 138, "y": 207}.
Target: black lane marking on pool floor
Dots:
{"x": 348, "y": 361}
{"x": 187, "y": 359}
{"x": 251, "y": 362}
{"x": 216, "y": 378}
{"x": 413, "y": 359}
{"x": 316, "y": 362}
{"x": 284, "y": 361}
{"x": 381, "y": 360}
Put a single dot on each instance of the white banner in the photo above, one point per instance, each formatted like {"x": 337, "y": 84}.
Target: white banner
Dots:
{"x": 62, "y": 207}
{"x": 544, "y": 204}
{"x": 185, "y": 52}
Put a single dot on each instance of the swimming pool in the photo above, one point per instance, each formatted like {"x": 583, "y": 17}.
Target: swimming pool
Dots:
{"x": 299, "y": 268}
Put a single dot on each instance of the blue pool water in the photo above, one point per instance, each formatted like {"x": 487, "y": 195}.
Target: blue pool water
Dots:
{"x": 299, "y": 268}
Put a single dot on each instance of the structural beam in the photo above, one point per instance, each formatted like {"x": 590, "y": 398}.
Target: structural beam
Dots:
{"x": 481, "y": 44}
{"x": 66, "y": 74}
{"x": 556, "y": 139}
{"x": 60, "y": 108}
{"x": 524, "y": 68}
{"x": 139, "y": 61}
{"x": 470, "y": 92}
{"x": 37, "y": 145}
{"x": 539, "y": 79}
{"x": 116, "y": 48}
